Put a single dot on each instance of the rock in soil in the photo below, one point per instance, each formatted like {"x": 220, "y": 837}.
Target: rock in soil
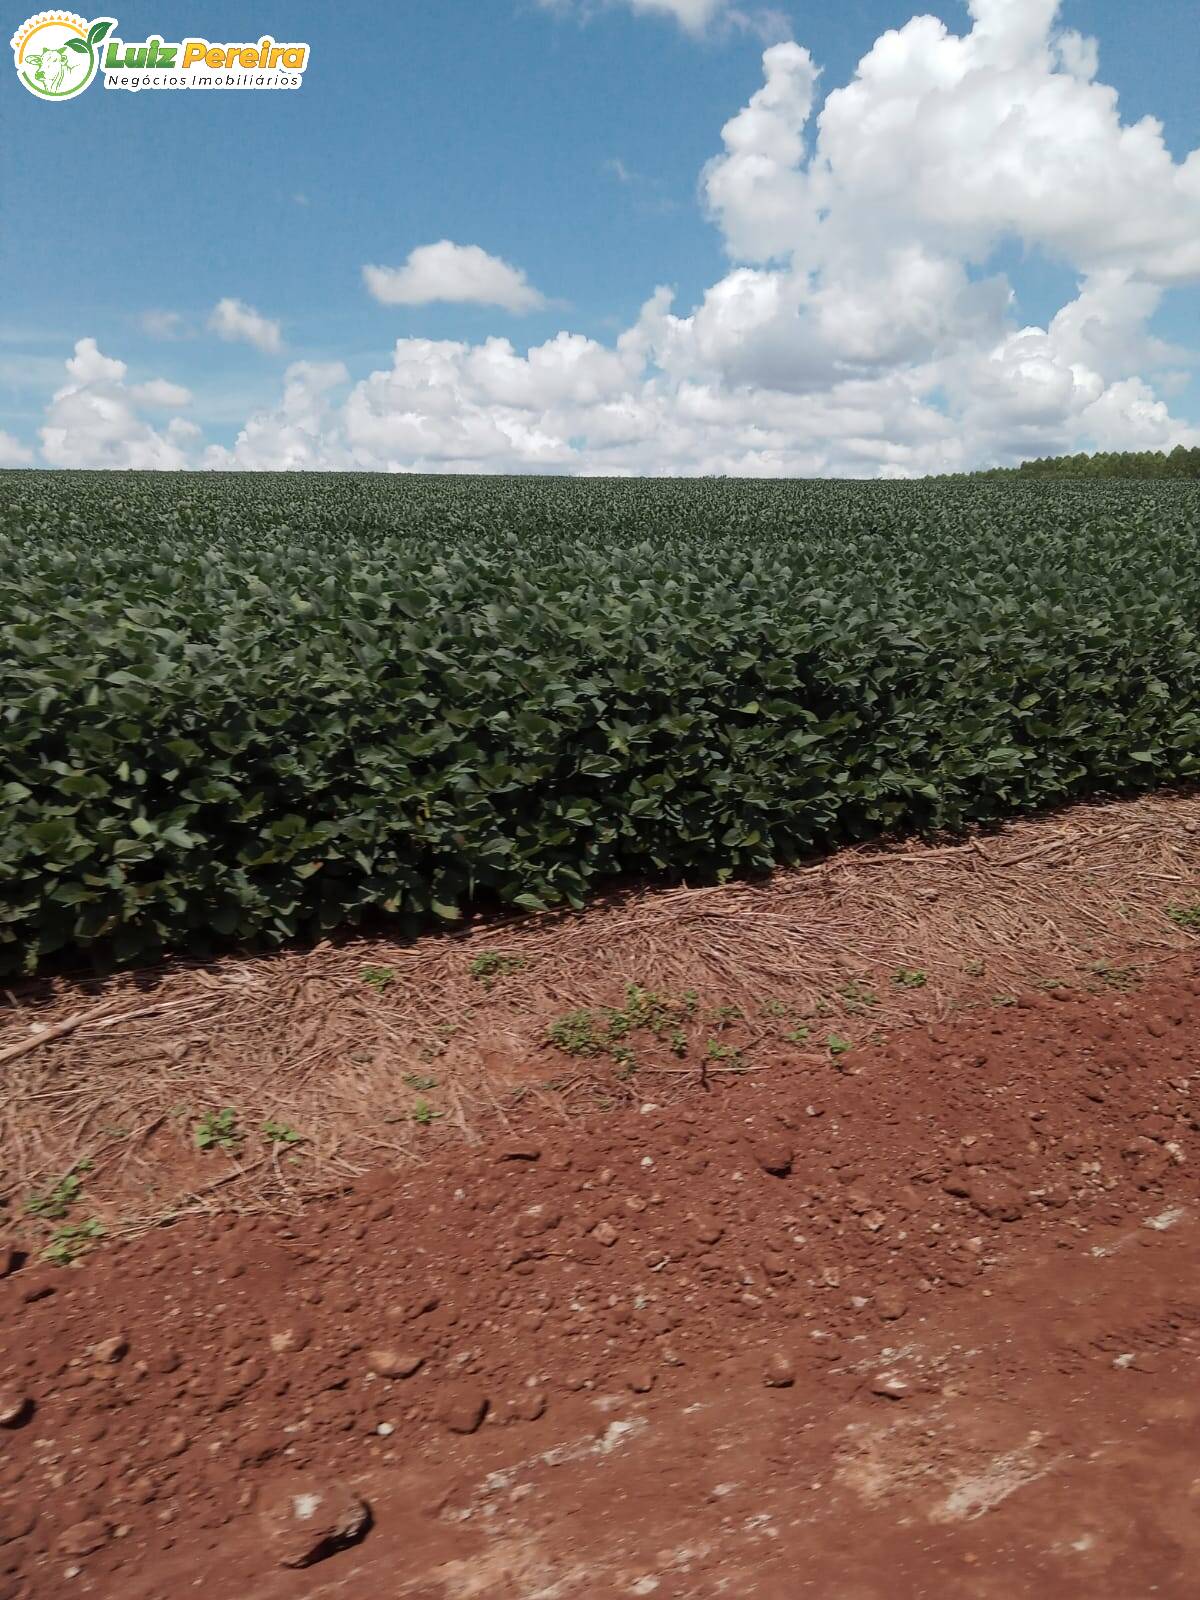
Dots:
{"x": 463, "y": 1409}
{"x": 891, "y": 1304}
{"x": 889, "y": 1386}
{"x": 306, "y": 1518}
{"x": 995, "y": 1198}
{"x": 296, "y": 1336}
{"x": 15, "y": 1408}
{"x": 773, "y": 1152}
{"x": 395, "y": 1363}
{"x": 780, "y": 1371}
{"x": 527, "y": 1406}
{"x": 84, "y": 1538}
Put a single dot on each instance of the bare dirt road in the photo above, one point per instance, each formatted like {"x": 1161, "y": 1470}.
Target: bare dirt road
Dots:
{"x": 922, "y": 1321}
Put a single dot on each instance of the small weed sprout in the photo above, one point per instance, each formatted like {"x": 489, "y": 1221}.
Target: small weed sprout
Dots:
{"x": 575, "y": 1034}
{"x": 714, "y": 1050}
{"x": 857, "y": 998}
{"x": 603, "y": 1033}
{"x": 625, "y": 1061}
{"x": 71, "y": 1241}
{"x": 1123, "y": 978}
{"x": 910, "y": 978}
{"x": 54, "y": 1203}
{"x": 838, "y": 1046}
{"x": 280, "y": 1133}
{"x": 218, "y": 1130}
{"x": 378, "y": 978}
{"x": 424, "y": 1115}
{"x": 489, "y": 965}
{"x": 420, "y": 1081}
{"x": 1185, "y": 917}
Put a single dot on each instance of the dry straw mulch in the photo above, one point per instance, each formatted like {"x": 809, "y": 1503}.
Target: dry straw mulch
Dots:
{"x": 119, "y": 1072}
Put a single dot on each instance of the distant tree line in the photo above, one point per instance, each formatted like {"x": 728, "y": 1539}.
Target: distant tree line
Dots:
{"x": 1180, "y": 463}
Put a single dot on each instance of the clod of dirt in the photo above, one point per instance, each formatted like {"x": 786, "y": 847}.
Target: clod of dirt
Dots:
{"x": 110, "y": 1350}
{"x": 1149, "y": 1162}
{"x": 996, "y": 1199}
{"x": 84, "y": 1538}
{"x": 409, "y": 1310}
{"x": 780, "y": 1371}
{"x": 463, "y": 1409}
{"x": 853, "y": 1063}
{"x": 640, "y": 1380}
{"x": 527, "y": 1406}
{"x": 889, "y": 1386}
{"x": 536, "y": 1220}
{"x": 774, "y": 1152}
{"x": 604, "y": 1233}
{"x": 390, "y": 1363}
{"x": 286, "y": 1341}
{"x": 826, "y": 1346}
{"x": 16, "y": 1522}
{"x": 519, "y": 1150}
{"x": 305, "y": 1518}
{"x": 14, "y": 1408}
{"x": 891, "y": 1304}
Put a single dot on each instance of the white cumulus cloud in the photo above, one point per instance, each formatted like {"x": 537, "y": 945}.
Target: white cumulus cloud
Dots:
{"x": 234, "y": 320}
{"x": 959, "y": 143}
{"x": 299, "y": 433}
{"x": 463, "y": 273}
{"x": 162, "y": 324}
{"x": 160, "y": 392}
{"x": 93, "y": 421}
{"x": 696, "y": 17}
{"x": 12, "y": 452}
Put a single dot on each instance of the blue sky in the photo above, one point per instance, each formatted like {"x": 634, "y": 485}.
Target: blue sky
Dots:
{"x": 569, "y": 140}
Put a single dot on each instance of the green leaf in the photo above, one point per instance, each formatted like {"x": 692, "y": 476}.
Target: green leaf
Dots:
{"x": 98, "y": 30}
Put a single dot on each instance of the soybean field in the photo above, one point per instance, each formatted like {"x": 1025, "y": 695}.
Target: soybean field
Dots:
{"x": 241, "y": 709}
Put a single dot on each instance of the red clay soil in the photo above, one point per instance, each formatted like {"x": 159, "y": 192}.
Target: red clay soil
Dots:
{"x": 923, "y": 1323}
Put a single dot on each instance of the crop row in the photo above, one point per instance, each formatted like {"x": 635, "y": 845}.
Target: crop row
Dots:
{"x": 245, "y": 709}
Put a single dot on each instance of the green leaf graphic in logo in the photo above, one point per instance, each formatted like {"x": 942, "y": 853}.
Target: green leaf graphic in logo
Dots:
{"x": 64, "y": 62}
